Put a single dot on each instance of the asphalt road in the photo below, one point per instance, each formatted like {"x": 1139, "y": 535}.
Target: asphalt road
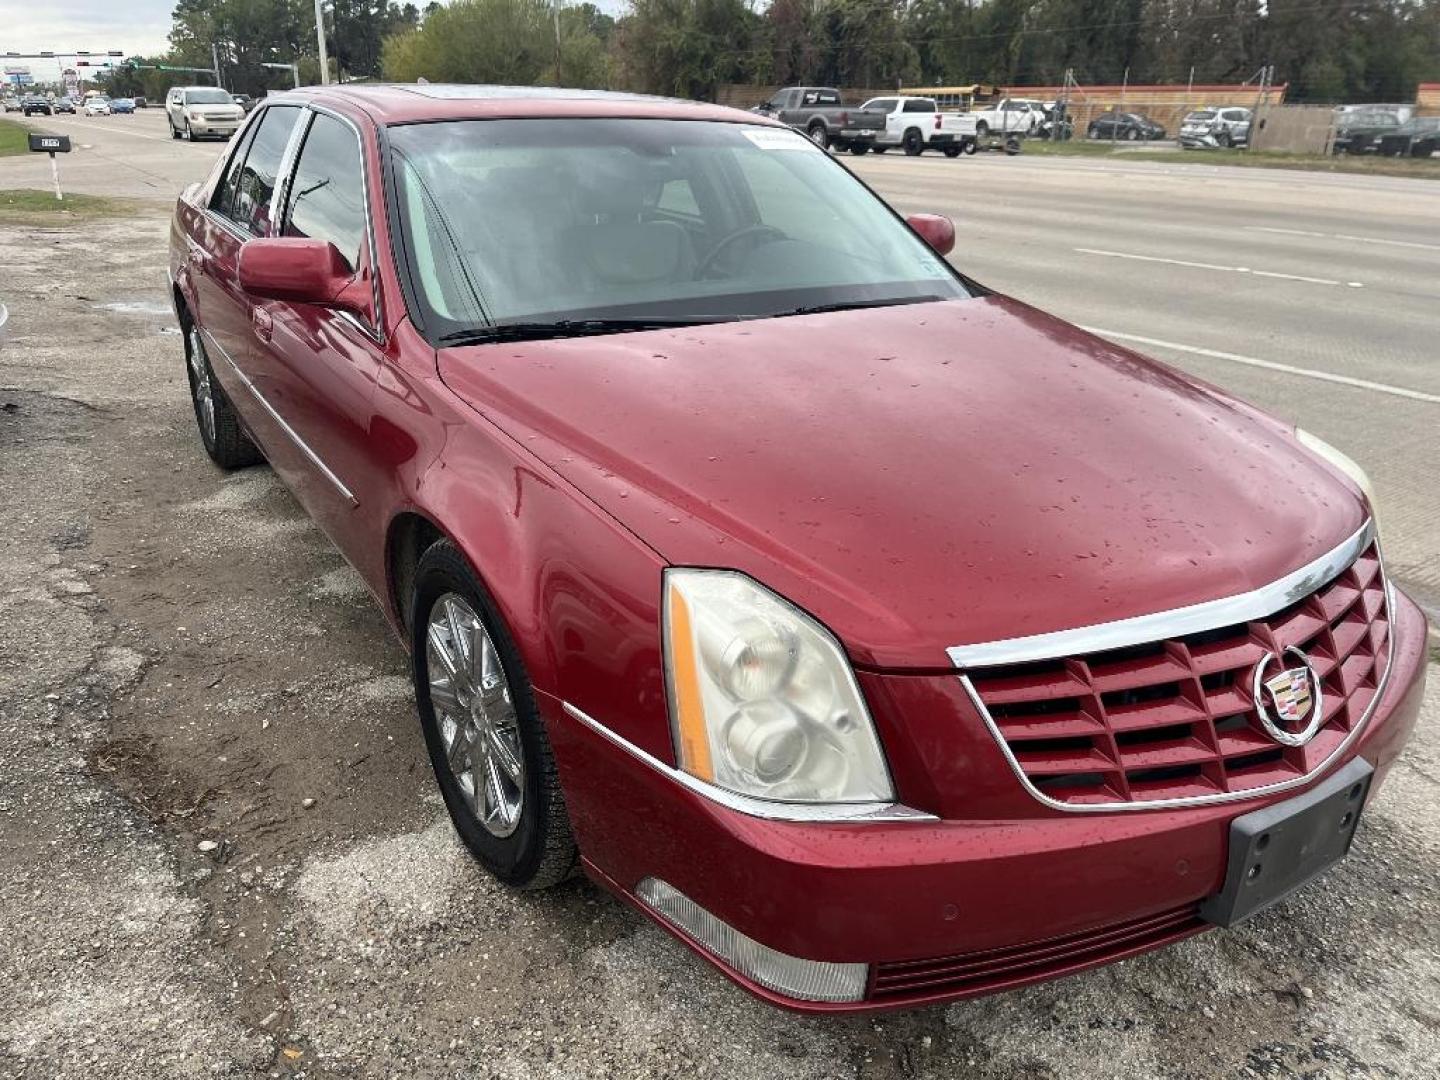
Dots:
{"x": 222, "y": 853}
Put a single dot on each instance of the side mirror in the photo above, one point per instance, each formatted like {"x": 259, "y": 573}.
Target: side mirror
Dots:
{"x": 935, "y": 229}
{"x": 299, "y": 270}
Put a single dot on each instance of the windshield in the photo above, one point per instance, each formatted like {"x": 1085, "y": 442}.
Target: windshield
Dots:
{"x": 543, "y": 220}
{"x": 1203, "y": 114}
{"x": 207, "y": 97}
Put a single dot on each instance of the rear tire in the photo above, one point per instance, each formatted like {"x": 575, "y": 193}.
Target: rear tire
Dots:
{"x": 914, "y": 143}
{"x": 859, "y": 149}
{"x": 971, "y": 147}
{"x": 879, "y": 149}
{"x": 220, "y": 431}
{"x": 820, "y": 135}
{"x": 532, "y": 847}
{"x": 952, "y": 151}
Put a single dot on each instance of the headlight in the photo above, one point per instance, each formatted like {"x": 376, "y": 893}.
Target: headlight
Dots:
{"x": 194, "y": 114}
{"x": 1343, "y": 462}
{"x": 762, "y": 698}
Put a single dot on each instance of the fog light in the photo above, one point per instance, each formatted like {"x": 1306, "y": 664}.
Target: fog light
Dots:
{"x": 807, "y": 980}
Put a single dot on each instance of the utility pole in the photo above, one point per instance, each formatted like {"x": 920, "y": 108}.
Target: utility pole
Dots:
{"x": 559, "y": 80}
{"x": 215, "y": 62}
{"x": 320, "y": 36}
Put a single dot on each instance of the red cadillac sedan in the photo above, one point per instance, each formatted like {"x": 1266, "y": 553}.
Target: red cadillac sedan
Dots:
{"x": 883, "y": 638}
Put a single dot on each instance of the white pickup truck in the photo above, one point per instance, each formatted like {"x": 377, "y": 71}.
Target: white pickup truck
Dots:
{"x": 916, "y": 124}
{"x": 1010, "y": 116}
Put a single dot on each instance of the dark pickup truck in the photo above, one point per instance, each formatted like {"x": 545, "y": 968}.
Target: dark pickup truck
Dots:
{"x": 816, "y": 111}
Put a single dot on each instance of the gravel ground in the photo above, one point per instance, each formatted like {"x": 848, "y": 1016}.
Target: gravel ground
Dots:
{"x": 186, "y": 663}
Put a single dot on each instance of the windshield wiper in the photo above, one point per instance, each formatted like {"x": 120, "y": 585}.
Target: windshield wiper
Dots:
{"x": 855, "y": 305}
{"x": 538, "y": 331}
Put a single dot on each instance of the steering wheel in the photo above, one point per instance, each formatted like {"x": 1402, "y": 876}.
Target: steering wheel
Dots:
{"x": 729, "y": 240}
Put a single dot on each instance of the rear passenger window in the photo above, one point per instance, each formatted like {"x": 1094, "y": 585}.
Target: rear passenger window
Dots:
{"x": 256, "y": 182}
{"x": 327, "y": 196}
{"x": 918, "y": 105}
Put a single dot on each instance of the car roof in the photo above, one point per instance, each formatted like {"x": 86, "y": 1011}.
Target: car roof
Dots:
{"x": 395, "y": 103}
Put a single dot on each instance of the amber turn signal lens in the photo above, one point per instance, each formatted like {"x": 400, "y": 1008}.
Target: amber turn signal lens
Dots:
{"x": 691, "y": 736}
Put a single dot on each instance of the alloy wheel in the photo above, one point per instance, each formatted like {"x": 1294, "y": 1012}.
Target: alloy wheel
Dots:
{"x": 475, "y": 714}
{"x": 200, "y": 385}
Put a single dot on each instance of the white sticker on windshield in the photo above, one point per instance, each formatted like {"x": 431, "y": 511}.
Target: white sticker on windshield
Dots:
{"x": 767, "y": 138}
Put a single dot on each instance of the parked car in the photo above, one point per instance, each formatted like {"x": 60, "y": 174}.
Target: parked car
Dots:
{"x": 195, "y": 112}
{"x": 1130, "y": 126}
{"x": 1418, "y": 137}
{"x": 916, "y": 124}
{"x": 1215, "y": 128}
{"x": 122, "y": 105}
{"x": 36, "y": 106}
{"x": 1018, "y": 116}
{"x": 1359, "y": 131}
{"x": 140, "y": 101}
{"x": 97, "y": 106}
{"x": 558, "y": 372}
{"x": 62, "y": 105}
{"x": 1055, "y": 115}
{"x": 818, "y": 112}
{"x": 12, "y": 104}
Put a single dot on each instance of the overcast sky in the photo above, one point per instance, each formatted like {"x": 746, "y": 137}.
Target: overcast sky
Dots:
{"x": 140, "y": 27}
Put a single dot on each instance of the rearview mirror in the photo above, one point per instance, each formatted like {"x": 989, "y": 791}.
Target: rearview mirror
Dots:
{"x": 302, "y": 271}
{"x": 935, "y": 229}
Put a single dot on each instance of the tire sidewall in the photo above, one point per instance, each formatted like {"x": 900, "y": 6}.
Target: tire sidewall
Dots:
{"x": 513, "y": 859}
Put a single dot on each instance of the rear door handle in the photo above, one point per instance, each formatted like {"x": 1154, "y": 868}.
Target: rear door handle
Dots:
{"x": 263, "y": 323}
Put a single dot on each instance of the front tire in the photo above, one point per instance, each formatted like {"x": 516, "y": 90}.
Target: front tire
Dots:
{"x": 820, "y": 135}
{"x": 220, "y": 432}
{"x": 187, "y": 134}
{"x": 486, "y": 740}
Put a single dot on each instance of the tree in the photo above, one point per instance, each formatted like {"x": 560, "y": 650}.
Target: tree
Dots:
{"x": 499, "y": 41}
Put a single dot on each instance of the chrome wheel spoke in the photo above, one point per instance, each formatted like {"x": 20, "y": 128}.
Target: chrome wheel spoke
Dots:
{"x": 440, "y": 652}
{"x": 444, "y": 698}
{"x": 506, "y": 755}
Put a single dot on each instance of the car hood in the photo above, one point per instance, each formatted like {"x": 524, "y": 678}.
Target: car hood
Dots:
{"x": 925, "y": 476}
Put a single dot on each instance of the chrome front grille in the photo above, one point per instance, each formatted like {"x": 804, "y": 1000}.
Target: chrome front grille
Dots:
{"x": 1175, "y": 719}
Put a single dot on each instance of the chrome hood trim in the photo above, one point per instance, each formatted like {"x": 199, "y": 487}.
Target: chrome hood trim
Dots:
{"x": 1177, "y": 622}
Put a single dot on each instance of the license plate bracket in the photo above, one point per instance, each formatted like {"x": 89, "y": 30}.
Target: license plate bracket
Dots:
{"x": 1276, "y": 850}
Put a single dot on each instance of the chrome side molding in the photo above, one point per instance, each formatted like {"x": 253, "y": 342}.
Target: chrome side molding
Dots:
{"x": 303, "y": 446}
{"x": 835, "y": 813}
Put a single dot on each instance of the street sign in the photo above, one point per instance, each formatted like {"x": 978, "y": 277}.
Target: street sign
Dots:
{"x": 40, "y": 143}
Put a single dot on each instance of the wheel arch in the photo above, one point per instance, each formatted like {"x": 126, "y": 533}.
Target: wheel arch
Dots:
{"x": 409, "y": 535}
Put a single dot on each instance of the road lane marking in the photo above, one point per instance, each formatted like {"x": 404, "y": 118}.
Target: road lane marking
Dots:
{"x": 1344, "y": 236}
{"x": 1217, "y": 266}
{"x": 1271, "y": 365}
{"x": 88, "y": 127}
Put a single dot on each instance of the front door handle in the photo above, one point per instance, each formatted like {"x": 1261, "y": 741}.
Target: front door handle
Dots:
{"x": 263, "y": 323}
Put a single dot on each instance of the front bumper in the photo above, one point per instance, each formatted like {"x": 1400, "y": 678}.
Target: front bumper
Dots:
{"x": 205, "y": 128}
{"x": 939, "y": 909}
